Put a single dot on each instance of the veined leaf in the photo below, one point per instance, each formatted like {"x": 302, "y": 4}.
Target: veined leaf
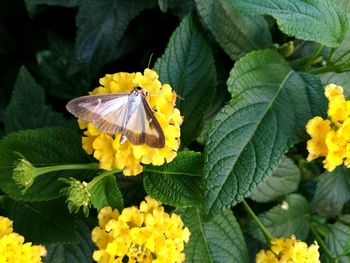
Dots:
{"x": 64, "y": 76}
{"x": 235, "y": 32}
{"x": 218, "y": 240}
{"x": 333, "y": 190}
{"x": 284, "y": 180}
{"x": 337, "y": 239}
{"x": 42, "y": 222}
{"x": 268, "y": 112}
{"x": 315, "y": 20}
{"x": 291, "y": 217}
{"x": 105, "y": 192}
{"x": 176, "y": 183}
{"x": 101, "y": 25}
{"x": 32, "y": 5}
{"x": 26, "y": 109}
{"x": 179, "y": 7}
{"x": 72, "y": 253}
{"x": 42, "y": 147}
{"x": 188, "y": 66}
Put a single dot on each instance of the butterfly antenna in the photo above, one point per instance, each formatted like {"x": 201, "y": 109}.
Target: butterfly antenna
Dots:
{"x": 149, "y": 61}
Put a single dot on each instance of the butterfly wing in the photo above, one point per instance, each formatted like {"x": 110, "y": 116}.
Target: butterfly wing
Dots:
{"x": 106, "y": 112}
{"x": 143, "y": 127}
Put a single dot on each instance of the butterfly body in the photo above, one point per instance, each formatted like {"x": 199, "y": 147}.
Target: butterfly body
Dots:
{"x": 125, "y": 113}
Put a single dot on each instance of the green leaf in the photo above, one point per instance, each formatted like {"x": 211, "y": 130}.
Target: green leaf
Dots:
{"x": 291, "y": 217}
{"x": 33, "y": 6}
{"x": 337, "y": 239}
{"x": 188, "y": 66}
{"x": 178, "y": 7}
{"x": 101, "y": 25}
{"x": 104, "y": 191}
{"x": 176, "y": 183}
{"x": 342, "y": 79}
{"x": 42, "y": 147}
{"x": 320, "y": 21}
{"x": 268, "y": 112}
{"x": 65, "y": 77}
{"x": 41, "y": 222}
{"x": 217, "y": 240}
{"x": 235, "y": 32}
{"x": 284, "y": 180}
{"x": 332, "y": 192}
{"x": 342, "y": 53}
{"x": 27, "y": 107}
{"x": 72, "y": 253}
{"x": 343, "y": 5}
{"x": 346, "y": 249}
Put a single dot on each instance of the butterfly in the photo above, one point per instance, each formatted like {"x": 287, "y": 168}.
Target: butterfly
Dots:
{"x": 124, "y": 112}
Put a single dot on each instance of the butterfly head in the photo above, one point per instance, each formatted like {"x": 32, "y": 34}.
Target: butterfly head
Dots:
{"x": 139, "y": 90}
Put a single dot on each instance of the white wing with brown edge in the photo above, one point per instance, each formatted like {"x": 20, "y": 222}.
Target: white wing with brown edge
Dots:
{"x": 107, "y": 112}
{"x": 143, "y": 127}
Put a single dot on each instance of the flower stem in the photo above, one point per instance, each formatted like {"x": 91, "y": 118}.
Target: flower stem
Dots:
{"x": 322, "y": 245}
{"x": 54, "y": 168}
{"x": 267, "y": 234}
{"x": 101, "y": 176}
{"x": 313, "y": 57}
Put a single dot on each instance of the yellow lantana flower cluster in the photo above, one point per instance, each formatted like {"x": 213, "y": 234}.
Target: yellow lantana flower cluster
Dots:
{"x": 144, "y": 234}
{"x": 289, "y": 250}
{"x": 128, "y": 157}
{"x": 331, "y": 137}
{"x": 12, "y": 246}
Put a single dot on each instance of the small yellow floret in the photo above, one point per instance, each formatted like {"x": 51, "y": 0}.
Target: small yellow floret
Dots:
{"x": 144, "y": 234}
{"x": 289, "y": 250}
{"x": 12, "y": 246}
{"x": 330, "y": 138}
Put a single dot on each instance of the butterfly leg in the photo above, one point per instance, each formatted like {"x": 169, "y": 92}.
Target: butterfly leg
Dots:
{"x": 123, "y": 139}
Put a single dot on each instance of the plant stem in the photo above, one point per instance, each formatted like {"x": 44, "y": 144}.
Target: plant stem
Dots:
{"x": 322, "y": 245}
{"x": 54, "y": 168}
{"x": 101, "y": 176}
{"x": 313, "y": 57}
{"x": 267, "y": 234}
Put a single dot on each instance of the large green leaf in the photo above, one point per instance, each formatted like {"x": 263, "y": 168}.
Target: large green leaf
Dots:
{"x": 104, "y": 191}
{"x": 179, "y": 7}
{"x": 344, "y": 5}
{"x": 217, "y": 240}
{"x": 176, "y": 183}
{"x": 41, "y": 222}
{"x": 64, "y": 77}
{"x": 290, "y": 217}
{"x": 188, "y": 66}
{"x": 284, "y": 180}
{"x": 320, "y": 21}
{"x": 27, "y": 107}
{"x": 332, "y": 192}
{"x": 101, "y": 25}
{"x": 72, "y": 253}
{"x": 336, "y": 240}
{"x": 33, "y": 6}
{"x": 268, "y": 112}
{"x": 42, "y": 147}
{"x": 235, "y": 32}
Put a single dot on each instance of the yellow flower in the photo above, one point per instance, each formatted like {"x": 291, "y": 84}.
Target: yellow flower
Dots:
{"x": 289, "y": 250}
{"x": 128, "y": 157}
{"x": 144, "y": 234}
{"x": 12, "y": 246}
{"x": 332, "y": 90}
{"x": 330, "y": 138}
